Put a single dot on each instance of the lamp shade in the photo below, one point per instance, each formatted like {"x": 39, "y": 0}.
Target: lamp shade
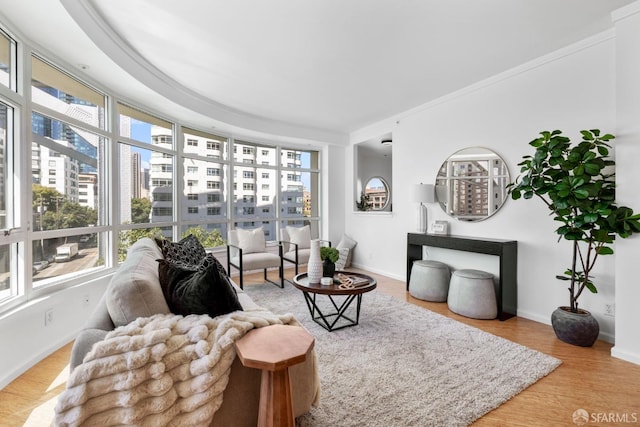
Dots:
{"x": 423, "y": 193}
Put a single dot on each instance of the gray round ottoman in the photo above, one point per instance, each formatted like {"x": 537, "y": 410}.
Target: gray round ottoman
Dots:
{"x": 429, "y": 280}
{"x": 472, "y": 294}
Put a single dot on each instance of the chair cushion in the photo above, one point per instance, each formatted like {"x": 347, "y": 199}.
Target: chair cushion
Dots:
{"x": 204, "y": 290}
{"x": 251, "y": 240}
{"x": 257, "y": 261}
{"x": 300, "y": 236}
{"x": 134, "y": 290}
{"x": 303, "y": 255}
{"x": 284, "y": 236}
{"x": 188, "y": 251}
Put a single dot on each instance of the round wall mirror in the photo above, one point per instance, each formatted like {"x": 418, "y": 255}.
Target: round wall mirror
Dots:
{"x": 377, "y": 192}
{"x": 472, "y": 184}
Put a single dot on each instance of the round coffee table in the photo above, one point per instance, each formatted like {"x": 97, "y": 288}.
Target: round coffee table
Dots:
{"x": 329, "y": 321}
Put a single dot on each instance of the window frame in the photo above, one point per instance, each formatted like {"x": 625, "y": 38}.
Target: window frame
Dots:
{"x": 169, "y": 146}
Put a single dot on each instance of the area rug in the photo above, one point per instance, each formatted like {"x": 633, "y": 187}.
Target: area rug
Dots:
{"x": 404, "y": 365}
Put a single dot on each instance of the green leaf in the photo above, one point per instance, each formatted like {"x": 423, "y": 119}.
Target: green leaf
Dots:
{"x": 591, "y": 287}
{"x": 538, "y": 142}
{"x": 591, "y": 217}
{"x": 587, "y": 135}
{"x": 581, "y": 193}
{"x": 574, "y": 156}
{"x": 592, "y": 168}
{"x": 604, "y": 151}
{"x": 574, "y": 235}
{"x": 604, "y": 250}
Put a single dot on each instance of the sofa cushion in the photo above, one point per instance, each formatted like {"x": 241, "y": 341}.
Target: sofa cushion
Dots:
{"x": 134, "y": 290}
{"x": 203, "y": 290}
{"x": 245, "y": 300}
{"x": 188, "y": 251}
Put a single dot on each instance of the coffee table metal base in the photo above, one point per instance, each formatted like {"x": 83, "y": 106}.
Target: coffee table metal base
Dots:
{"x": 329, "y": 320}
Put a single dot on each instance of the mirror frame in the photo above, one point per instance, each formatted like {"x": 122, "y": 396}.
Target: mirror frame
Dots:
{"x": 449, "y": 181}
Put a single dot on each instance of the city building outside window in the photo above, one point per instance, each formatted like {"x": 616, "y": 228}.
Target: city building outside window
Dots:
{"x": 72, "y": 153}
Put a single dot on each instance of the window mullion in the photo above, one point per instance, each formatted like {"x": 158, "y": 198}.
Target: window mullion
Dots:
{"x": 178, "y": 179}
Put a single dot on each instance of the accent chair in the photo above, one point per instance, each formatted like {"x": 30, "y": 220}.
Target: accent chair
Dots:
{"x": 247, "y": 250}
{"x": 296, "y": 245}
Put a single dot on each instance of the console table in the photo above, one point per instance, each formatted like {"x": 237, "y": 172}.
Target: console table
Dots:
{"x": 506, "y": 250}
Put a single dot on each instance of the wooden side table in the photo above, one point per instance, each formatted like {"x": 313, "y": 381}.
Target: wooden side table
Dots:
{"x": 273, "y": 349}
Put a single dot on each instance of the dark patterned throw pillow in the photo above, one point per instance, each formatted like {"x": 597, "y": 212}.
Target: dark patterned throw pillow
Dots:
{"x": 188, "y": 252}
{"x": 210, "y": 258}
{"x": 203, "y": 290}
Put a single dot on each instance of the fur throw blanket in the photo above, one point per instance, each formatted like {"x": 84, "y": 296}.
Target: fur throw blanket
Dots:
{"x": 156, "y": 371}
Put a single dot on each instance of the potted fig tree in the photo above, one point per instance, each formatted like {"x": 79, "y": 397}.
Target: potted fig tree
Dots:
{"x": 577, "y": 183}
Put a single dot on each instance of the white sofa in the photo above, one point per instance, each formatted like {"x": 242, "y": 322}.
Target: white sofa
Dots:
{"x": 134, "y": 291}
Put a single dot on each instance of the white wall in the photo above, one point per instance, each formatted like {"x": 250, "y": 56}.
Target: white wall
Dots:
{"x": 333, "y": 192}
{"x": 25, "y": 338}
{"x": 570, "y": 90}
{"x": 628, "y": 177}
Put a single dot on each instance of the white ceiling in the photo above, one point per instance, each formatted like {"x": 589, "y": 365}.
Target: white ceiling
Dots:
{"x": 303, "y": 68}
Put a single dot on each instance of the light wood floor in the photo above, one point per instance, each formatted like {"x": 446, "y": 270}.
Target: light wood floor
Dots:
{"x": 589, "y": 378}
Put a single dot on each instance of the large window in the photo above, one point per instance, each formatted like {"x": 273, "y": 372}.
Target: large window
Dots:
{"x": 7, "y": 61}
{"x": 7, "y": 250}
{"x": 67, "y": 149}
{"x": 146, "y": 159}
{"x": 95, "y": 174}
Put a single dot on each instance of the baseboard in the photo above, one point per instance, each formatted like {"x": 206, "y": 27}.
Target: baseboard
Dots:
{"x": 536, "y": 317}
{"x": 604, "y": 336}
{"x": 619, "y": 353}
{"x": 377, "y": 271}
{"x": 35, "y": 359}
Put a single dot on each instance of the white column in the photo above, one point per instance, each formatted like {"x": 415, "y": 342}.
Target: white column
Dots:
{"x": 627, "y": 155}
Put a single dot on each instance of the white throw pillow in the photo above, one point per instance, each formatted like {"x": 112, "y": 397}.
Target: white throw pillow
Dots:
{"x": 346, "y": 242}
{"x": 300, "y": 236}
{"x": 342, "y": 259}
{"x": 251, "y": 240}
{"x": 345, "y": 248}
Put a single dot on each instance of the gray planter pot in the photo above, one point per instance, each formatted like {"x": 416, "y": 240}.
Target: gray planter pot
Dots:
{"x": 580, "y": 328}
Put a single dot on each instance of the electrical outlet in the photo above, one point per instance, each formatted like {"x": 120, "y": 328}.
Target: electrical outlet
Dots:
{"x": 85, "y": 300}
{"x": 609, "y": 310}
{"x": 48, "y": 317}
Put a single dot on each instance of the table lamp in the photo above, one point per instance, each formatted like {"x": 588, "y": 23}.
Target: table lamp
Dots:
{"x": 423, "y": 193}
